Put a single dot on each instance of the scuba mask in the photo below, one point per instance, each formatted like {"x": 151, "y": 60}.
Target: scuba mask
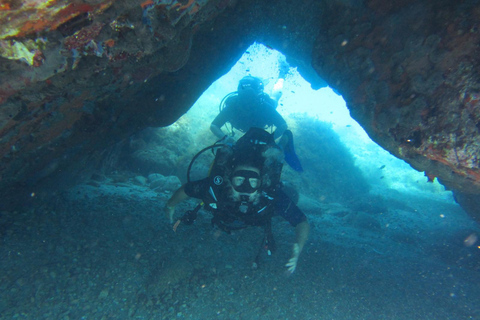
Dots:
{"x": 246, "y": 181}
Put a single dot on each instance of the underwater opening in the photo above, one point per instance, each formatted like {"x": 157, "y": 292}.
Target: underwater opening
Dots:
{"x": 306, "y": 110}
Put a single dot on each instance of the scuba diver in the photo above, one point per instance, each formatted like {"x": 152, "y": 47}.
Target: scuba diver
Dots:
{"x": 250, "y": 107}
{"x": 244, "y": 189}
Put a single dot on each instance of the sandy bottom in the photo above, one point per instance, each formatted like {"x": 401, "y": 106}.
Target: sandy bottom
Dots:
{"x": 106, "y": 252}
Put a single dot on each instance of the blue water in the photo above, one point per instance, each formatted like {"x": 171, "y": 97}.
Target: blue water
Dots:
{"x": 384, "y": 243}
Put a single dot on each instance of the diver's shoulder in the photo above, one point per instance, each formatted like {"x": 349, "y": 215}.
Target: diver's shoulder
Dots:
{"x": 233, "y": 99}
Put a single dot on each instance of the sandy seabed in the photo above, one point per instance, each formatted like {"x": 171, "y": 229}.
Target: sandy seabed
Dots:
{"x": 106, "y": 252}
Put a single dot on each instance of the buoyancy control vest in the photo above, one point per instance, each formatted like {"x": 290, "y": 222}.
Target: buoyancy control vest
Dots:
{"x": 260, "y": 147}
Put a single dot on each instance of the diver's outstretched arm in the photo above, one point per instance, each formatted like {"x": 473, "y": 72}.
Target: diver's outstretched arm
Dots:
{"x": 217, "y": 131}
{"x": 280, "y": 130}
{"x": 301, "y": 231}
{"x": 177, "y": 197}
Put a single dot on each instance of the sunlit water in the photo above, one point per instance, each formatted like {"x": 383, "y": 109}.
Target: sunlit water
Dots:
{"x": 383, "y": 171}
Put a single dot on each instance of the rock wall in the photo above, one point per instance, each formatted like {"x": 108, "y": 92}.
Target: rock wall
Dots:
{"x": 407, "y": 72}
{"x": 58, "y": 127}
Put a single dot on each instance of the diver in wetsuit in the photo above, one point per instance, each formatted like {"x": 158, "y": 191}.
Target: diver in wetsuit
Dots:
{"x": 249, "y": 107}
{"x": 244, "y": 189}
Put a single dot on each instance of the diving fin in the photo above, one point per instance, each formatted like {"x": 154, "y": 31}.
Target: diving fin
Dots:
{"x": 289, "y": 150}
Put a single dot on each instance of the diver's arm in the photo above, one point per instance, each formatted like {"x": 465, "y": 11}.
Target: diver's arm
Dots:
{"x": 216, "y": 125}
{"x": 218, "y": 122}
{"x": 176, "y": 198}
{"x": 276, "y": 118}
{"x": 217, "y": 131}
{"x": 280, "y": 130}
{"x": 301, "y": 231}
{"x": 277, "y": 90}
{"x": 225, "y": 115}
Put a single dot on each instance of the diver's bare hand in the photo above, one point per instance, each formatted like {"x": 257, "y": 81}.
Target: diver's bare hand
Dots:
{"x": 292, "y": 263}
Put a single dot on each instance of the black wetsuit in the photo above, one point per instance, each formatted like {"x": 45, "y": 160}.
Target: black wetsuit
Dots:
{"x": 227, "y": 214}
{"x": 260, "y": 113}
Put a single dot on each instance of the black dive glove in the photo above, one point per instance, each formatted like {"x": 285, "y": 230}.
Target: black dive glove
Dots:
{"x": 189, "y": 217}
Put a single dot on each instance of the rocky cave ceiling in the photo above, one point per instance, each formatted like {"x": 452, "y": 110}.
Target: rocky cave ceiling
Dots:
{"x": 78, "y": 76}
